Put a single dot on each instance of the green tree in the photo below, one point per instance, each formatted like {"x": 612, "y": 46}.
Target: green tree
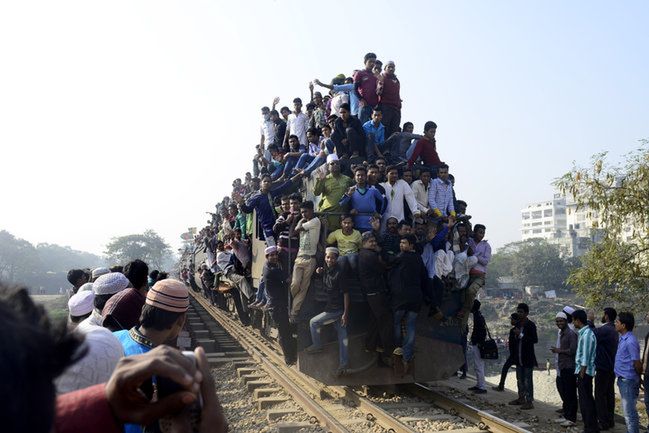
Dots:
{"x": 18, "y": 259}
{"x": 615, "y": 270}
{"x": 148, "y": 246}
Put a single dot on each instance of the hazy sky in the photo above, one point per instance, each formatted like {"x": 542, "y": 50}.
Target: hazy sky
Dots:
{"x": 120, "y": 116}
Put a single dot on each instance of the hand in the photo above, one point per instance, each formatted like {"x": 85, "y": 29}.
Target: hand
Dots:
{"x": 351, "y": 190}
{"x": 344, "y": 141}
{"x": 343, "y": 320}
{"x": 517, "y": 332}
{"x": 319, "y": 270}
{"x": 276, "y": 100}
{"x": 554, "y": 350}
{"x": 318, "y": 82}
{"x": 311, "y": 86}
{"x": 127, "y": 402}
{"x": 582, "y": 372}
{"x": 437, "y": 212}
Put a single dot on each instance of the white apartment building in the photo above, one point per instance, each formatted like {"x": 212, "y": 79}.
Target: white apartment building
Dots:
{"x": 545, "y": 219}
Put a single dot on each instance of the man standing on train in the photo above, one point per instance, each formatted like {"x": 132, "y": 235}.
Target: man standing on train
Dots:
{"x": 309, "y": 230}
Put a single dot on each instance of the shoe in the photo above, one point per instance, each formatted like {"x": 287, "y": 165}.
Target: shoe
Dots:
{"x": 462, "y": 376}
{"x": 473, "y": 388}
{"x": 480, "y": 391}
{"x": 398, "y": 351}
{"x": 313, "y": 349}
{"x": 604, "y": 427}
{"x": 559, "y": 420}
{"x": 527, "y": 406}
{"x": 516, "y": 402}
{"x": 498, "y": 388}
{"x": 566, "y": 423}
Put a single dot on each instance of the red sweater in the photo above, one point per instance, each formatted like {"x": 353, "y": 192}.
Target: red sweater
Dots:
{"x": 85, "y": 411}
{"x": 428, "y": 152}
{"x": 390, "y": 95}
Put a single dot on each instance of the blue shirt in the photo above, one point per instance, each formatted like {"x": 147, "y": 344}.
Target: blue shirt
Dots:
{"x": 353, "y": 96}
{"x": 628, "y": 351}
{"x": 586, "y": 349}
{"x": 378, "y": 132}
{"x": 364, "y": 202}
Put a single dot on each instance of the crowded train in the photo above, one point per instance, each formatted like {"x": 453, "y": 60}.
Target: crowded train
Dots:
{"x": 347, "y": 238}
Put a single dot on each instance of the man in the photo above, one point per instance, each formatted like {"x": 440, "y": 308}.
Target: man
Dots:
{"x": 347, "y": 88}
{"x": 297, "y": 123}
{"x": 628, "y": 369}
{"x": 440, "y": 194}
{"x": 76, "y": 277}
{"x": 346, "y": 239}
{"x": 566, "y": 380}
{"x": 371, "y": 273}
{"x": 279, "y": 126}
{"x": 478, "y": 337}
{"x": 363, "y": 200}
{"x": 397, "y": 191}
{"x": 426, "y": 148}
{"x": 366, "y": 82}
{"x": 420, "y": 189}
{"x": 123, "y": 310}
{"x": 375, "y": 133}
{"x": 348, "y": 134}
{"x": 585, "y": 370}
{"x": 512, "y": 346}
{"x": 607, "y": 340}
{"x": 388, "y": 90}
{"x": 477, "y": 274}
{"x": 80, "y": 306}
{"x": 104, "y": 288}
{"x": 331, "y": 188}
{"x": 268, "y": 129}
{"x": 163, "y": 317}
{"x": 526, "y": 359}
{"x": 309, "y": 230}
{"x": 291, "y": 158}
{"x": 98, "y": 272}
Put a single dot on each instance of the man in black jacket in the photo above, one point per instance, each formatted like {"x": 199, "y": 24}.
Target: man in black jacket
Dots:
{"x": 348, "y": 134}
{"x": 607, "y": 339}
{"x": 526, "y": 337}
{"x": 478, "y": 337}
{"x": 513, "y": 353}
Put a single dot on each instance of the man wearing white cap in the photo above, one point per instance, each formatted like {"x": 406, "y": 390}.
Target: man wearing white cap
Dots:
{"x": 80, "y": 306}
{"x": 105, "y": 287}
{"x": 331, "y": 189}
{"x": 98, "y": 272}
{"x": 566, "y": 379}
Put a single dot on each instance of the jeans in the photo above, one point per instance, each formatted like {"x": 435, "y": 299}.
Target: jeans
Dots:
{"x": 567, "y": 387}
{"x": 478, "y": 365}
{"x": 261, "y": 293}
{"x": 503, "y": 373}
{"x": 242, "y": 311}
{"x": 391, "y": 119}
{"x": 408, "y": 344}
{"x": 605, "y": 397}
{"x": 365, "y": 113}
{"x": 587, "y": 403}
{"x": 290, "y": 163}
{"x": 525, "y": 383}
{"x": 325, "y": 318}
{"x": 305, "y": 159}
{"x": 629, "y": 390}
{"x": 315, "y": 163}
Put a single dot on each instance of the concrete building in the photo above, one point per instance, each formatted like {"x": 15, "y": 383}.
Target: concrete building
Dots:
{"x": 546, "y": 220}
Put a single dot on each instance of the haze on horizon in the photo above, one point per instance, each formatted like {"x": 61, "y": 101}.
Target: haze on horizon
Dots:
{"x": 123, "y": 116}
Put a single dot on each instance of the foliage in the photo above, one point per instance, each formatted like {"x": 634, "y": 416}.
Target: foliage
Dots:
{"x": 18, "y": 258}
{"x": 148, "y": 246}
{"x": 617, "y": 268}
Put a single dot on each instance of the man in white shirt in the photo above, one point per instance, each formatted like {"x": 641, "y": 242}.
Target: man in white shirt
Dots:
{"x": 420, "y": 188}
{"x": 395, "y": 191}
{"x": 297, "y": 123}
{"x": 268, "y": 129}
{"x": 309, "y": 230}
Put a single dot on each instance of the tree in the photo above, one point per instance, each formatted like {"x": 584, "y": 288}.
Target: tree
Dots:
{"x": 617, "y": 268}
{"x": 148, "y": 246}
{"x": 534, "y": 262}
{"x": 18, "y": 258}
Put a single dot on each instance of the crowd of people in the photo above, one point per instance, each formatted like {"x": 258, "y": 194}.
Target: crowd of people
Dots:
{"x": 345, "y": 178}
{"x": 589, "y": 360}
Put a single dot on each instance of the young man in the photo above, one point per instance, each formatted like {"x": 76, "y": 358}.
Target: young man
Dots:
{"x": 275, "y": 276}
{"x": 628, "y": 369}
{"x": 336, "y": 310}
{"x": 513, "y": 353}
{"x": 420, "y": 189}
{"x": 371, "y": 273}
{"x": 397, "y": 191}
{"x": 426, "y": 148}
{"x": 566, "y": 380}
{"x": 268, "y": 129}
{"x": 363, "y": 200}
{"x": 478, "y": 337}
{"x": 291, "y": 158}
{"x": 585, "y": 370}
{"x": 389, "y": 89}
{"x": 332, "y": 188}
{"x": 308, "y": 229}
{"x": 279, "y": 127}
{"x": 346, "y": 239}
{"x": 104, "y": 288}
{"x": 526, "y": 359}
{"x": 348, "y": 134}
{"x": 440, "y": 194}
{"x": 407, "y": 284}
{"x": 313, "y": 149}
{"x": 76, "y": 277}
{"x": 122, "y": 311}
{"x": 477, "y": 275}
{"x": 607, "y": 340}
{"x": 375, "y": 135}
{"x": 297, "y": 123}
{"x": 366, "y": 82}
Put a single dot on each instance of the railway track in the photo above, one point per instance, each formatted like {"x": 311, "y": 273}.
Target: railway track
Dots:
{"x": 425, "y": 410}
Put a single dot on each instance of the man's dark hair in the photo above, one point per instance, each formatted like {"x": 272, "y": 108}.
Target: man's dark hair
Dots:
{"x": 444, "y": 165}
{"x": 369, "y": 56}
{"x": 378, "y": 109}
{"x": 360, "y": 168}
{"x": 265, "y": 109}
{"x": 297, "y": 101}
{"x": 479, "y": 226}
{"x": 274, "y": 148}
{"x": 429, "y": 125}
{"x": 292, "y": 136}
{"x": 295, "y": 197}
{"x": 74, "y": 275}
{"x": 392, "y": 167}
{"x": 284, "y": 109}
{"x": 310, "y": 106}
{"x": 523, "y": 306}
{"x": 344, "y": 106}
{"x": 345, "y": 216}
{"x": 137, "y": 272}
{"x": 424, "y": 170}
{"x": 154, "y": 274}
{"x": 33, "y": 352}
{"x": 158, "y": 319}
{"x": 462, "y": 202}
{"x": 610, "y": 313}
{"x": 626, "y": 318}
{"x": 307, "y": 204}
{"x": 264, "y": 176}
{"x": 162, "y": 276}
{"x": 273, "y": 113}
{"x": 402, "y": 223}
{"x": 580, "y": 315}
{"x": 313, "y": 131}
{"x": 408, "y": 124}
{"x": 372, "y": 167}
{"x": 326, "y": 125}
{"x": 117, "y": 268}
{"x": 412, "y": 239}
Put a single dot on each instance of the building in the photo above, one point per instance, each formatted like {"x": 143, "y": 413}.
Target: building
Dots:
{"x": 546, "y": 220}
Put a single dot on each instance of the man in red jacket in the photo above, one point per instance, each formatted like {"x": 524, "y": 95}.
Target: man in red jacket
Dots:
{"x": 427, "y": 148}
{"x": 389, "y": 89}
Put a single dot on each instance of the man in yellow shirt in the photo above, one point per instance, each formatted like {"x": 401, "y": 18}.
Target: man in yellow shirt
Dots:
{"x": 332, "y": 187}
{"x": 346, "y": 238}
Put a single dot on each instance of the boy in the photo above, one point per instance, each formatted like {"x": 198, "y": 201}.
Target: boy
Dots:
{"x": 346, "y": 238}
{"x": 336, "y": 310}
{"x": 407, "y": 282}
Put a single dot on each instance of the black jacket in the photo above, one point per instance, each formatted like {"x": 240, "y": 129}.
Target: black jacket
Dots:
{"x": 276, "y": 285}
{"x": 408, "y": 282}
{"x": 526, "y": 344}
{"x": 479, "y": 334}
{"x": 371, "y": 272}
{"x": 607, "y": 339}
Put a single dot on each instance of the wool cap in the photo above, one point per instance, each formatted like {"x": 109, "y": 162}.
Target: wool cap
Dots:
{"x": 81, "y": 303}
{"x": 98, "y": 272}
{"x": 109, "y": 284}
{"x": 169, "y": 295}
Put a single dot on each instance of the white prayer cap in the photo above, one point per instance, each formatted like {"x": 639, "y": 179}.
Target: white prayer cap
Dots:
{"x": 81, "y": 303}
{"x": 85, "y": 288}
{"x": 110, "y": 284}
{"x": 332, "y": 250}
{"x": 98, "y": 272}
{"x": 568, "y": 309}
{"x": 332, "y": 157}
{"x": 561, "y": 315}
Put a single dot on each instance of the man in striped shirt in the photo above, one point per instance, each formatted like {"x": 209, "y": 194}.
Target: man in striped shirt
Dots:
{"x": 585, "y": 370}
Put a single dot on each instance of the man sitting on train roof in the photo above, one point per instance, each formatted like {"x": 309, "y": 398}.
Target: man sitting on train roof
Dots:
{"x": 375, "y": 135}
{"x": 346, "y": 239}
{"x": 331, "y": 188}
{"x": 398, "y": 193}
{"x": 365, "y": 201}
{"x": 335, "y": 311}
{"x": 440, "y": 194}
{"x": 426, "y": 148}
{"x": 348, "y": 134}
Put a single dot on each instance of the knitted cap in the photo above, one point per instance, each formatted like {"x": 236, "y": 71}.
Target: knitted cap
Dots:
{"x": 169, "y": 295}
{"x": 98, "y": 272}
{"x": 110, "y": 284}
{"x": 81, "y": 303}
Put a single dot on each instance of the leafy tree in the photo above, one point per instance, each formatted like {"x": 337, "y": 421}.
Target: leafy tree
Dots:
{"x": 18, "y": 258}
{"x": 615, "y": 270}
{"x": 536, "y": 262}
{"x": 148, "y": 246}
{"x": 56, "y": 258}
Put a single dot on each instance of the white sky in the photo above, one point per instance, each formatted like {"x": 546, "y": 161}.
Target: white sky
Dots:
{"x": 120, "y": 116}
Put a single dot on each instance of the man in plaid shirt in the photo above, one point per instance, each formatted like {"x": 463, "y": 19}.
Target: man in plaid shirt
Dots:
{"x": 440, "y": 194}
